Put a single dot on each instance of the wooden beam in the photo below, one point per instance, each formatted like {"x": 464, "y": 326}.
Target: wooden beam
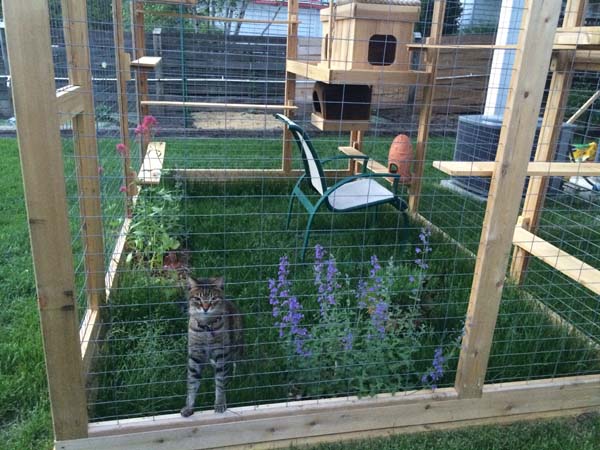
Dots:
{"x": 437, "y": 27}
{"x": 152, "y": 166}
{"x": 30, "y": 56}
{"x": 216, "y": 105}
{"x": 536, "y": 168}
{"x": 338, "y": 125}
{"x": 517, "y": 136}
{"x": 200, "y": 175}
{"x": 86, "y": 148}
{"x": 584, "y": 107}
{"x": 123, "y": 74}
{"x": 138, "y": 42}
{"x": 566, "y": 264}
{"x": 291, "y": 52}
{"x": 578, "y": 37}
{"x": 146, "y": 62}
{"x": 320, "y": 72}
{"x": 276, "y": 426}
{"x": 548, "y": 137}
{"x": 70, "y": 102}
{"x": 215, "y": 18}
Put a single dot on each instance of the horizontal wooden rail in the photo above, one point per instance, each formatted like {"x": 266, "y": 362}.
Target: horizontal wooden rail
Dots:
{"x": 280, "y": 425}
{"x": 460, "y": 47}
{"x": 215, "y": 18}
{"x": 317, "y": 72}
{"x": 70, "y": 102}
{"x": 153, "y": 162}
{"x": 146, "y": 62}
{"x": 566, "y": 264}
{"x": 215, "y": 105}
{"x": 577, "y": 37}
{"x": 538, "y": 169}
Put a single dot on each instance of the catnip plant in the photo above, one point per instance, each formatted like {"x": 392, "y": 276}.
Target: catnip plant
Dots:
{"x": 354, "y": 337}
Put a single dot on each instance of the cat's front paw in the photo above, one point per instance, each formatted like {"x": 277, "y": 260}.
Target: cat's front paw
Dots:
{"x": 187, "y": 411}
{"x": 220, "y": 408}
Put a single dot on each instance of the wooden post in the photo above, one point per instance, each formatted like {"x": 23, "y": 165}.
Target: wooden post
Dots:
{"x": 34, "y": 97}
{"x": 532, "y": 60}
{"x": 86, "y": 148}
{"x": 437, "y": 28}
{"x": 141, "y": 74}
{"x": 290, "y": 81}
{"x": 158, "y": 51}
{"x": 548, "y": 138}
{"x": 123, "y": 74}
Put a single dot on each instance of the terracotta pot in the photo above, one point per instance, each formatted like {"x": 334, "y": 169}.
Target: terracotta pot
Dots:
{"x": 400, "y": 157}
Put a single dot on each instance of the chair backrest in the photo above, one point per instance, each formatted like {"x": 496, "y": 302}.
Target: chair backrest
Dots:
{"x": 310, "y": 158}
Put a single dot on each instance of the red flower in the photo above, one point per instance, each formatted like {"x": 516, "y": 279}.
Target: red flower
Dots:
{"x": 121, "y": 148}
{"x": 123, "y": 188}
{"x": 141, "y": 129}
{"x": 149, "y": 122}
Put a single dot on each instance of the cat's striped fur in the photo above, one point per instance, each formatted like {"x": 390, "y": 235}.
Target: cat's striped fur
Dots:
{"x": 215, "y": 338}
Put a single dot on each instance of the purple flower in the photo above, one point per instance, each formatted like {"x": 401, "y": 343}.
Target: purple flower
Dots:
{"x": 379, "y": 316}
{"x": 436, "y": 373}
{"x": 287, "y": 308}
{"x": 326, "y": 290}
{"x": 347, "y": 341}
{"x": 424, "y": 236}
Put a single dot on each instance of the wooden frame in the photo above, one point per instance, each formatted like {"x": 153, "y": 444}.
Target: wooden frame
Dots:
{"x": 70, "y": 349}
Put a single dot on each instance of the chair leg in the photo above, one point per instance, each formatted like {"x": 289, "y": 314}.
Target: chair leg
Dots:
{"x": 306, "y": 236}
{"x": 290, "y": 209}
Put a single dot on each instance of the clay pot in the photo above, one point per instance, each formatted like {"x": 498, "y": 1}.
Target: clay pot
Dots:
{"x": 400, "y": 157}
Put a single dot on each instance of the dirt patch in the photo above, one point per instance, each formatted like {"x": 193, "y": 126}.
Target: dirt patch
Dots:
{"x": 228, "y": 120}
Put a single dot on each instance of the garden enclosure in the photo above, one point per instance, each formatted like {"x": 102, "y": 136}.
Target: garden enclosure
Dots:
{"x": 484, "y": 309}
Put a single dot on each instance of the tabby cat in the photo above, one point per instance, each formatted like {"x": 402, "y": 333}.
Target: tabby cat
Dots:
{"x": 215, "y": 337}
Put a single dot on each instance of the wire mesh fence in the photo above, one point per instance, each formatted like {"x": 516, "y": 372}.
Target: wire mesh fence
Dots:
{"x": 379, "y": 302}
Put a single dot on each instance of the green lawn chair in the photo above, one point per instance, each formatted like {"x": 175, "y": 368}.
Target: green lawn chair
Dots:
{"x": 352, "y": 193}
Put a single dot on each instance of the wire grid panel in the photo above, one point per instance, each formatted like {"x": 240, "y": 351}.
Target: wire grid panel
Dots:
{"x": 376, "y": 306}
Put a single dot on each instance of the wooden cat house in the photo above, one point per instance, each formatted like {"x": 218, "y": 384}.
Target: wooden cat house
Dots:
{"x": 368, "y": 34}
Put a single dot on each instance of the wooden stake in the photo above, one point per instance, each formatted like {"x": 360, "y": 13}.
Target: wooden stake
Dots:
{"x": 437, "y": 28}
{"x": 518, "y": 130}
{"x": 141, "y": 74}
{"x": 40, "y": 146}
{"x": 86, "y": 148}
{"x": 548, "y": 137}
{"x": 290, "y": 81}
{"x": 123, "y": 74}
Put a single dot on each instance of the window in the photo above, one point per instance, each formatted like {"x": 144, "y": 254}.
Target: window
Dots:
{"x": 382, "y": 49}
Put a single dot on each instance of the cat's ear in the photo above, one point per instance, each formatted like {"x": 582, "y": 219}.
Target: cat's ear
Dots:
{"x": 191, "y": 283}
{"x": 218, "y": 282}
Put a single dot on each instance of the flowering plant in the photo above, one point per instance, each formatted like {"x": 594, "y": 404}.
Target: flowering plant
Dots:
{"x": 354, "y": 338}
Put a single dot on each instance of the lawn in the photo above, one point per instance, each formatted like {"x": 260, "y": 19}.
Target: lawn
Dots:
{"x": 145, "y": 374}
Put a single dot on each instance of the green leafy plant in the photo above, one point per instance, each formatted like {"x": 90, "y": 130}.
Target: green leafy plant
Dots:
{"x": 156, "y": 228}
{"x": 363, "y": 339}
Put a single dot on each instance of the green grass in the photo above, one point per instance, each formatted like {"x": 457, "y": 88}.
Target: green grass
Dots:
{"x": 526, "y": 344}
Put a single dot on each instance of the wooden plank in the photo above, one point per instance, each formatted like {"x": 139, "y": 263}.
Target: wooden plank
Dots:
{"x": 146, "y": 62}
{"x": 584, "y": 107}
{"x": 40, "y": 148}
{"x": 138, "y": 42}
{"x": 215, "y": 18}
{"x": 200, "y": 175}
{"x": 338, "y": 125}
{"x": 171, "y": 2}
{"x": 566, "y": 264}
{"x": 437, "y": 27}
{"x": 275, "y": 426}
{"x": 123, "y": 74}
{"x": 578, "y": 37}
{"x": 152, "y": 166}
{"x": 587, "y": 60}
{"x": 70, "y": 102}
{"x": 216, "y": 105}
{"x": 549, "y": 134}
{"x": 89, "y": 333}
{"x": 460, "y": 47}
{"x": 517, "y": 136}
{"x": 291, "y": 52}
{"x": 536, "y": 168}
{"x": 74, "y": 14}
{"x": 319, "y": 72}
